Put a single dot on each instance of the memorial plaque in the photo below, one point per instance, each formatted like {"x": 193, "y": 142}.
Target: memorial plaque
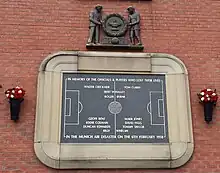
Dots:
{"x": 114, "y": 108}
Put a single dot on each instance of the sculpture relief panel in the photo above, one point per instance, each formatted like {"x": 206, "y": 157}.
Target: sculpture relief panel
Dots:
{"x": 114, "y": 30}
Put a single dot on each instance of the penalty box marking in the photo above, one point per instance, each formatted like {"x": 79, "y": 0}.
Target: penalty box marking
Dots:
{"x": 158, "y": 107}
{"x": 77, "y": 111}
{"x": 158, "y": 111}
{"x": 70, "y": 105}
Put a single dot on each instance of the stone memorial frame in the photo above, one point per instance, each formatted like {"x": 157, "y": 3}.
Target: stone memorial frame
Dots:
{"x": 58, "y": 155}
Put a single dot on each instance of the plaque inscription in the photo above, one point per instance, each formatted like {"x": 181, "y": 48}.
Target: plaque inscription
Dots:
{"x": 114, "y": 108}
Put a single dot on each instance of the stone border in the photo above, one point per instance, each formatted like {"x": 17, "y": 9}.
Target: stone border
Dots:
{"x": 54, "y": 154}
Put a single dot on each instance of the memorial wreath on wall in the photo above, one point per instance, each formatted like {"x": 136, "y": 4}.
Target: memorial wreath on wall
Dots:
{"x": 208, "y": 97}
{"x": 16, "y": 97}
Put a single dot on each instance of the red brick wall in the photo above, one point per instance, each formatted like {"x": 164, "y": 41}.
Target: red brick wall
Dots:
{"x": 30, "y": 30}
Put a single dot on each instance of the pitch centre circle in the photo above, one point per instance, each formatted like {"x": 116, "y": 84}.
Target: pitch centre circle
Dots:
{"x": 115, "y": 107}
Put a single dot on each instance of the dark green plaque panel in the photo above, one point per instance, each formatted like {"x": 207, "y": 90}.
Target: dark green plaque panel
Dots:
{"x": 114, "y": 108}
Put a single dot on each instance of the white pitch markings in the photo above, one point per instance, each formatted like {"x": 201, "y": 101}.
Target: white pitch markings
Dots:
{"x": 115, "y": 108}
{"x": 114, "y": 92}
{"x": 115, "y": 115}
{"x": 163, "y": 108}
{"x": 158, "y": 104}
{"x": 151, "y": 108}
{"x": 70, "y": 111}
{"x": 148, "y": 106}
{"x": 78, "y": 103}
{"x": 81, "y": 106}
{"x": 64, "y": 129}
{"x": 158, "y": 111}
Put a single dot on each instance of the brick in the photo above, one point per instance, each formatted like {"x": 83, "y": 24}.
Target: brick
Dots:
{"x": 30, "y": 30}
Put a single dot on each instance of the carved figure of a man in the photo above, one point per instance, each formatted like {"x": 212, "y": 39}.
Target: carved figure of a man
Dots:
{"x": 134, "y": 24}
{"x": 95, "y": 18}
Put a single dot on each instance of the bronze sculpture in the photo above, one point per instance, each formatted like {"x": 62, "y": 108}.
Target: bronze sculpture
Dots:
{"x": 95, "y": 18}
{"x": 134, "y": 24}
{"x": 110, "y": 30}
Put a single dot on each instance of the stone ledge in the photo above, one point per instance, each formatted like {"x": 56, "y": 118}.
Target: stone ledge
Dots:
{"x": 49, "y": 154}
{"x": 108, "y": 63}
{"x": 127, "y": 152}
{"x": 113, "y": 47}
